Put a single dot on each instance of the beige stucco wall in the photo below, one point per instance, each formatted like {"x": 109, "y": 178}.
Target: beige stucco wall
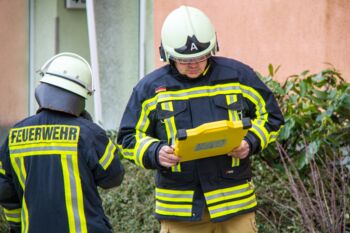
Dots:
{"x": 13, "y": 65}
{"x": 297, "y": 35}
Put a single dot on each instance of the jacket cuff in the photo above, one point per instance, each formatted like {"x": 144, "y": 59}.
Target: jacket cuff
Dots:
{"x": 153, "y": 156}
{"x": 254, "y": 143}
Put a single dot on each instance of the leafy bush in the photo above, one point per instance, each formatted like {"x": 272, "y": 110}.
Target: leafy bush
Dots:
{"x": 309, "y": 167}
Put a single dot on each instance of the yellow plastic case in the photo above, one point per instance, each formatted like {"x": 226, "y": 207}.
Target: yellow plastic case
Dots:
{"x": 210, "y": 139}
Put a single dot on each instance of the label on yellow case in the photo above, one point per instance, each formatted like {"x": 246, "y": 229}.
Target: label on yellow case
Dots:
{"x": 209, "y": 139}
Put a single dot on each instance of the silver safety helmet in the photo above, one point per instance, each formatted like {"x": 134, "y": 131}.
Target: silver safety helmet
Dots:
{"x": 187, "y": 34}
{"x": 65, "y": 84}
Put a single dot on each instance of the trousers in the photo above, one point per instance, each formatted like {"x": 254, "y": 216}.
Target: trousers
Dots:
{"x": 239, "y": 224}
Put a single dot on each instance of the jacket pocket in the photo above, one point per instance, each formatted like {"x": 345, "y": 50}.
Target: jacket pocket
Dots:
{"x": 168, "y": 179}
{"x": 169, "y": 109}
{"x": 229, "y": 172}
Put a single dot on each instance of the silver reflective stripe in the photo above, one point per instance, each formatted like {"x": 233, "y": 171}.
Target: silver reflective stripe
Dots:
{"x": 177, "y": 210}
{"x": 43, "y": 148}
{"x": 73, "y": 186}
{"x": 144, "y": 142}
{"x": 174, "y": 196}
{"x": 261, "y": 134}
{"x": 21, "y": 175}
{"x": 226, "y": 194}
{"x": 232, "y": 207}
{"x": 108, "y": 156}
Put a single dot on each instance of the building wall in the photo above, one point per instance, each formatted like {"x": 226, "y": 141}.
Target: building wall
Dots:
{"x": 13, "y": 64}
{"x": 297, "y": 35}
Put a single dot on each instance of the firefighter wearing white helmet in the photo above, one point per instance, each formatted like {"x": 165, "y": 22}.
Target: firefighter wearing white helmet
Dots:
{"x": 209, "y": 194}
{"x": 57, "y": 159}
{"x": 65, "y": 84}
{"x": 187, "y": 34}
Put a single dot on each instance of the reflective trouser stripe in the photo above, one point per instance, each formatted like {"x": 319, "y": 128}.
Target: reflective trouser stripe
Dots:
{"x": 13, "y": 215}
{"x": 232, "y": 207}
{"x": 170, "y": 129}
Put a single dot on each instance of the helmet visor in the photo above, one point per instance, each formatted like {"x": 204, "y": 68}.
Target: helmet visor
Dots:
{"x": 190, "y": 60}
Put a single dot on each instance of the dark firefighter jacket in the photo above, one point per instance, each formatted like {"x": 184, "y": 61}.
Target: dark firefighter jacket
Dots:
{"x": 50, "y": 167}
{"x": 164, "y": 102}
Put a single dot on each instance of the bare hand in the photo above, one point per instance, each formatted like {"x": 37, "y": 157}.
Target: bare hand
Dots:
{"x": 167, "y": 158}
{"x": 240, "y": 152}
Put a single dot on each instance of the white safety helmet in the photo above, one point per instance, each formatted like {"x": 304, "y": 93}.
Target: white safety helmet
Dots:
{"x": 187, "y": 34}
{"x": 70, "y": 72}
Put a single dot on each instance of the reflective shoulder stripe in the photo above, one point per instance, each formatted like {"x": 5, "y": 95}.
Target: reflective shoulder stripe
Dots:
{"x": 13, "y": 215}
{"x": 108, "y": 155}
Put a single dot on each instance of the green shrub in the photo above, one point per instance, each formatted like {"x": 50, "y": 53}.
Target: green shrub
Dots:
{"x": 309, "y": 167}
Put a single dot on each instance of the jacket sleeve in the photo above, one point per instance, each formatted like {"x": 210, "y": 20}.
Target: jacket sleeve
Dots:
{"x": 9, "y": 199}
{"x": 106, "y": 166}
{"x": 136, "y": 137}
{"x": 264, "y": 112}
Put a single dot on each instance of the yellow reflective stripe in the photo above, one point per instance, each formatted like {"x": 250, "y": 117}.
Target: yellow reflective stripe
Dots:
{"x": 24, "y": 216}
{"x": 260, "y": 131}
{"x": 170, "y": 129}
{"x": 274, "y": 135}
{"x": 206, "y": 70}
{"x": 73, "y": 193}
{"x": 79, "y": 191}
{"x": 127, "y": 153}
{"x": 141, "y": 146}
{"x": 228, "y": 193}
{"x": 41, "y": 149}
{"x": 13, "y": 215}
{"x": 235, "y": 162}
{"x": 232, "y": 207}
{"x": 2, "y": 171}
{"x": 17, "y": 167}
{"x": 232, "y": 114}
{"x": 173, "y": 210}
{"x": 108, "y": 155}
{"x": 174, "y": 195}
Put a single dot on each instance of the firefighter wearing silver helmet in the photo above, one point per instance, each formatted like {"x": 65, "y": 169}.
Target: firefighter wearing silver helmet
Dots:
{"x": 65, "y": 84}
{"x": 212, "y": 194}
{"x": 52, "y": 162}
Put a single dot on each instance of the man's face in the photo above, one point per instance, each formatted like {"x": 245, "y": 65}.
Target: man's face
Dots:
{"x": 191, "y": 69}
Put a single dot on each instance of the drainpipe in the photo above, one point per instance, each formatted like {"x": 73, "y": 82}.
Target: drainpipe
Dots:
{"x": 142, "y": 22}
{"x": 90, "y": 13}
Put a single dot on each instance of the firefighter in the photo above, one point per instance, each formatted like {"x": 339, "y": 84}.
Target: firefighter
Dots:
{"x": 214, "y": 194}
{"x": 51, "y": 163}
